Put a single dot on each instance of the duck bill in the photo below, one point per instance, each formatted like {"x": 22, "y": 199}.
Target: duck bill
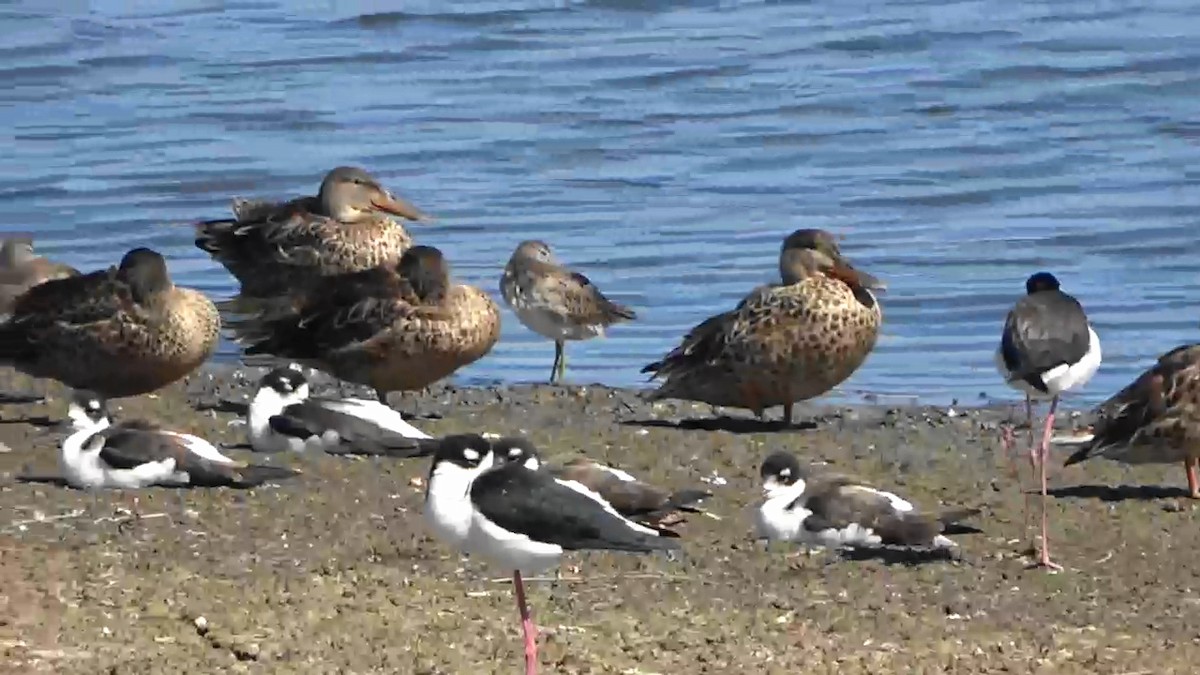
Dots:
{"x": 843, "y": 271}
{"x": 388, "y": 203}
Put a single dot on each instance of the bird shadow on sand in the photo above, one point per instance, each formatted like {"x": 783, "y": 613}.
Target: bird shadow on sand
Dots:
{"x": 1119, "y": 493}
{"x": 43, "y": 479}
{"x": 224, "y": 405}
{"x": 734, "y": 425}
{"x": 39, "y": 421}
{"x": 15, "y": 398}
{"x": 908, "y": 557}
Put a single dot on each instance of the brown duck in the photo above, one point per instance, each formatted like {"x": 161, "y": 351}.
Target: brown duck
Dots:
{"x": 273, "y": 248}
{"x": 1154, "y": 420}
{"x": 783, "y": 343}
{"x": 392, "y": 329}
{"x": 124, "y": 331}
{"x": 21, "y": 270}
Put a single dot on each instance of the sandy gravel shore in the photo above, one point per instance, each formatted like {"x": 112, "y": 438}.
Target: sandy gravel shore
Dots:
{"x": 336, "y": 572}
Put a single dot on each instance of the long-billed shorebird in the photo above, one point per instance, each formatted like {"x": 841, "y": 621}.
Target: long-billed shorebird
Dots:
{"x": 275, "y": 247}
{"x": 784, "y": 342}
{"x": 1047, "y": 348}
{"x": 555, "y": 302}
{"x": 124, "y": 331}
{"x": 1154, "y": 420}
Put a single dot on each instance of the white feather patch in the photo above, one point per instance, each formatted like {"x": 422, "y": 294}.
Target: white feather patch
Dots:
{"x": 590, "y": 494}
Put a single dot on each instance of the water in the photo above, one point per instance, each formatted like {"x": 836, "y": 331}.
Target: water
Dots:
{"x": 663, "y": 148}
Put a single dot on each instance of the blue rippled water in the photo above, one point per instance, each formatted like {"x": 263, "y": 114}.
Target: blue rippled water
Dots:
{"x": 664, "y": 148}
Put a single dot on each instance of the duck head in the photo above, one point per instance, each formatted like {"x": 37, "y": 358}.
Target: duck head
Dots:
{"x": 146, "y": 273}
{"x": 350, "y": 194}
{"x": 806, "y": 253}
{"x": 426, "y": 270}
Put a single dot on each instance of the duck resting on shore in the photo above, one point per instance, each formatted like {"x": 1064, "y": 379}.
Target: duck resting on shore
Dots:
{"x": 784, "y": 342}
{"x": 1153, "y": 420}
{"x": 21, "y": 270}
{"x": 124, "y": 331}
{"x": 392, "y": 329}
{"x": 276, "y": 247}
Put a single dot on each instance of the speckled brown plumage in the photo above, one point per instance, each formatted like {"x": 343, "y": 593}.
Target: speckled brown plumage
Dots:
{"x": 21, "y": 270}
{"x": 783, "y": 343}
{"x": 1154, "y": 420}
{"x": 555, "y": 302}
{"x": 274, "y": 248}
{"x": 118, "y": 332}
{"x": 394, "y": 333}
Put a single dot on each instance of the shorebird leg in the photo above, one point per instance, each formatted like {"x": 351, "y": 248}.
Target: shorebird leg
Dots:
{"x": 135, "y": 515}
{"x": 1044, "y": 557}
{"x": 527, "y": 626}
{"x": 559, "y": 369}
{"x": 787, "y": 413}
{"x": 1008, "y": 441}
{"x": 1190, "y": 466}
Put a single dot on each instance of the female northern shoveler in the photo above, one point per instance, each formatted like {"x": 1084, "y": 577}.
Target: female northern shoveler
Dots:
{"x": 272, "y": 248}
{"x": 783, "y": 343}
{"x": 391, "y": 329}
{"x": 1154, "y": 420}
{"x": 555, "y": 302}
{"x": 123, "y": 331}
{"x": 21, "y": 270}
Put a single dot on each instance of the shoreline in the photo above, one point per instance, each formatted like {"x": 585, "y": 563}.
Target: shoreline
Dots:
{"x": 337, "y": 570}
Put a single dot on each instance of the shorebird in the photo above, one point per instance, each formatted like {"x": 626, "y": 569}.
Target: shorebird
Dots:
{"x": 398, "y": 329}
{"x": 645, "y": 504}
{"x": 838, "y": 512}
{"x": 1047, "y": 348}
{"x": 555, "y": 302}
{"x": 457, "y": 462}
{"x": 283, "y": 416}
{"x": 123, "y": 331}
{"x": 783, "y": 343}
{"x": 524, "y": 520}
{"x": 21, "y": 270}
{"x": 273, "y": 247}
{"x": 1154, "y": 420}
{"x": 135, "y": 454}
